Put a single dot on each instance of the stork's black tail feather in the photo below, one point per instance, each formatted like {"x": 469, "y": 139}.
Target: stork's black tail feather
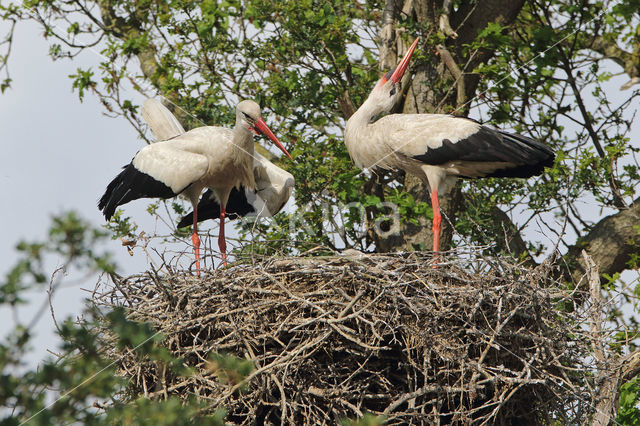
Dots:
{"x": 129, "y": 185}
{"x": 531, "y": 155}
{"x": 208, "y": 208}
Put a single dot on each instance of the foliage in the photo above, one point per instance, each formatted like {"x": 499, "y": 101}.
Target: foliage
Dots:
{"x": 555, "y": 80}
{"x": 367, "y": 419}
{"x": 71, "y": 238}
{"x": 628, "y": 412}
{"x": 80, "y": 384}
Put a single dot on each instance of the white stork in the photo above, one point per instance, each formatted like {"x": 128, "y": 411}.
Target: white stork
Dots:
{"x": 438, "y": 148}
{"x": 273, "y": 184}
{"x": 205, "y": 157}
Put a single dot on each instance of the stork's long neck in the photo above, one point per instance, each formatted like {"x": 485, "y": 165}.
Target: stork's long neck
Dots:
{"x": 243, "y": 153}
{"x": 357, "y": 125}
{"x": 242, "y": 139}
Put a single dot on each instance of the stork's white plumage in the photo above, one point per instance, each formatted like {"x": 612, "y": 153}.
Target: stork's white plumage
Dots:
{"x": 273, "y": 184}
{"x": 206, "y": 157}
{"x": 273, "y": 189}
{"x": 162, "y": 123}
{"x": 437, "y": 148}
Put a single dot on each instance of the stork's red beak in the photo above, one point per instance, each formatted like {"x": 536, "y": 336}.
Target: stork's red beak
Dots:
{"x": 262, "y": 127}
{"x": 397, "y": 73}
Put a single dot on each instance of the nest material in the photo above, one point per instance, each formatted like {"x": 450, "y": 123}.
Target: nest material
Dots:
{"x": 333, "y": 338}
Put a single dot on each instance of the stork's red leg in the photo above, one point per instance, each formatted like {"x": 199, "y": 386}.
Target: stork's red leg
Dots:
{"x": 222, "y": 243}
{"x": 195, "y": 239}
{"x": 437, "y": 221}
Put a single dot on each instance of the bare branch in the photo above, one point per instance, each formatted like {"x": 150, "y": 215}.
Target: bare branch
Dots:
{"x": 443, "y": 21}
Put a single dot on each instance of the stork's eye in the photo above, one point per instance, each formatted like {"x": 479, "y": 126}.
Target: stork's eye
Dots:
{"x": 248, "y": 117}
{"x": 393, "y": 91}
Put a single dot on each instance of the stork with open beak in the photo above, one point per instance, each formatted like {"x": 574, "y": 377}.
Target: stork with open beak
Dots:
{"x": 438, "y": 148}
{"x": 217, "y": 158}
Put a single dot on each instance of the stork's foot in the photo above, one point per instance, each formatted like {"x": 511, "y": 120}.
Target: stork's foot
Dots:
{"x": 196, "y": 247}
{"x": 436, "y": 256}
{"x": 222, "y": 245}
{"x": 222, "y": 241}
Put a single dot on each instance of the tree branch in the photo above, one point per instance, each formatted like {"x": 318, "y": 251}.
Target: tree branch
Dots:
{"x": 618, "y": 201}
{"x": 444, "y": 24}
{"x": 388, "y": 56}
{"x": 467, "y": 22}
{"x": 608, "y": 378}
{"x": 611, "y": 243}
{"x": 629, "y": 61}
{"x": 451, "y": 65}
{"x": 510, "y": 239}
{"x": 346, "y": 104}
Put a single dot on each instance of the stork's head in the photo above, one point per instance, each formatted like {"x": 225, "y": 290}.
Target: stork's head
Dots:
{"x": 388, "y": 89}
{"x": 249, "y": 115}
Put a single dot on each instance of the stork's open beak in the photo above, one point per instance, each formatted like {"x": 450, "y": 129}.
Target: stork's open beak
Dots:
{"x": 262, "y": 127}
{"x": 397, "y": 73}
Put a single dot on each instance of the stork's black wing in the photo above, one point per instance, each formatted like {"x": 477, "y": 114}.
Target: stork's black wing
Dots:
{"x": 131, "y": 184}
{"x": 515, "y": 155}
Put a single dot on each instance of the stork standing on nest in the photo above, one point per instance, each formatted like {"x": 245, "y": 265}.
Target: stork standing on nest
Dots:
{"x": 438, "y": 148}
{"x": 217, "y": 158}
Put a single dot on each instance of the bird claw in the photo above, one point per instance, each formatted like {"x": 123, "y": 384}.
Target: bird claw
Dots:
{"x": 222, "y": 245}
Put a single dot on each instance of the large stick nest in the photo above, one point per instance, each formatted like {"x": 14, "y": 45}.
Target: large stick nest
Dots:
{"x": 336, "y": 337}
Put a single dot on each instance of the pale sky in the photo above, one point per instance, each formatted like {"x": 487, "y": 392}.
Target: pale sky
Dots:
{"x": 57, "y": 155}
